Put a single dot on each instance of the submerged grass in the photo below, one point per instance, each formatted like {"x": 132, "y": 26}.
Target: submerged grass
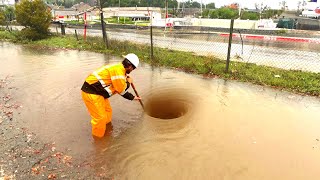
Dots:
{"x": 294, "y": 81}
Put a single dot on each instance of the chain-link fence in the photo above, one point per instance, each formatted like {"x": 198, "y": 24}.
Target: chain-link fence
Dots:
{"x": 291, "y": 53}
{"x": 295, "y": 53}
{"x": 287, "y": 52}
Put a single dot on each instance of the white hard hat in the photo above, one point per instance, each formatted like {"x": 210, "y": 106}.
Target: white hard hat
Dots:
{"x": 133, "y": 59}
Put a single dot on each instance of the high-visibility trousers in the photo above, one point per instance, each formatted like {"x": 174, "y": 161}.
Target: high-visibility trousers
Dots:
{"x": 100, "y": 112}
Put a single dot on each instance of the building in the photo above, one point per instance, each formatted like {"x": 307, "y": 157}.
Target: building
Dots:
{"x": 7, "y": 2}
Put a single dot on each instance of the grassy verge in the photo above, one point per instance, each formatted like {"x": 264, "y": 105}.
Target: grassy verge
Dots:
{"x": 294, "y": 81}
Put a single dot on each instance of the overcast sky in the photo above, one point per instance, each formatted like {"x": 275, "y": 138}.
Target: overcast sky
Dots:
{"x": 292, "y": 4}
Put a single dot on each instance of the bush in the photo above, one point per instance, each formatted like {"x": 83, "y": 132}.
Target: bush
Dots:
{"x": 31, "y": 34}
{"x": 281, "y": 32}
{"x": 9, "y": 13}
{"x": 2, "y": 17}
{"x": 35, "y": 17}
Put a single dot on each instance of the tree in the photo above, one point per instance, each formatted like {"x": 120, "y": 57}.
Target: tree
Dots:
{"x": 9, "y": 13}
{"x": 211, "y": 6}
{"x": 283, "y": 5}
{"x": 2, "y": 17}
{"x": 206, "y": 12}
{"x": 271, "y": 13}
{"x": 223, "y": 13}
{"x": 304, "y": 3}
{"x": 35, "y": 17}
{"x": 299, "y": 5}
{"x": 213, "y": 14}
{"x": 227, "y": 13}
{"x": 6, "y": 14}
{"x": 250, "y": 15}
{"x": 192, "y": 4}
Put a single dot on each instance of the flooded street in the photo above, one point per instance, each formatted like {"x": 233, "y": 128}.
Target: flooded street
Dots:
{"x": 192, "y": 127}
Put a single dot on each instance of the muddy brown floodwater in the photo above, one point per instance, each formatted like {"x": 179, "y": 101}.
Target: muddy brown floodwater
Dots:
{"x": 192, "y": 127}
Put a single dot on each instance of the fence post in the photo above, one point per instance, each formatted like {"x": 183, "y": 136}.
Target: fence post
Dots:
{"x": 63, "y": 29}
{"x": 85, "y": 27}
{"x": 75, "y": 31}
{"x": 151, "y": 47}
{"x": 229, "y": 45}
{"x": 103, "y": 28}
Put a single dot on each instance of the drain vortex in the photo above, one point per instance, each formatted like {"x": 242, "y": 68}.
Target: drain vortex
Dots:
{"x": 166, "y": 106}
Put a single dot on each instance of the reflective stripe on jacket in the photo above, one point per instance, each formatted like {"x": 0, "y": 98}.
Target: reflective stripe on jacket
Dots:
{"x": 107, "y": 81}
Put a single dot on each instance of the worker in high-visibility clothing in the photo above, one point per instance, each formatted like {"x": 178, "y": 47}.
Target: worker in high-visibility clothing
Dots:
{"x": 102, "y": 84}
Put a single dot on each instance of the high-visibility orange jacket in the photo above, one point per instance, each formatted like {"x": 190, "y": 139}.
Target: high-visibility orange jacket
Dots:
{"x": 107, "y": 81}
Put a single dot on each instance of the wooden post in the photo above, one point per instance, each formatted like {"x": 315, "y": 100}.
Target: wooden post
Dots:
{"x": 229, "y": 45}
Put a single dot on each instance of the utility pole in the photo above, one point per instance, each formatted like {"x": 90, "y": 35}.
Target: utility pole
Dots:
{"x": 166, "y": 15}
{"x": 166, "y": 8}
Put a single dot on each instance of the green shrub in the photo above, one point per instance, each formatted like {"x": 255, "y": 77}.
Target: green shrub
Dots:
{"x": 35, "y": 17}
{"x": 31, "y": 34}
{"x": 281, "y": 31}
{"x": 2, "y": 17}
